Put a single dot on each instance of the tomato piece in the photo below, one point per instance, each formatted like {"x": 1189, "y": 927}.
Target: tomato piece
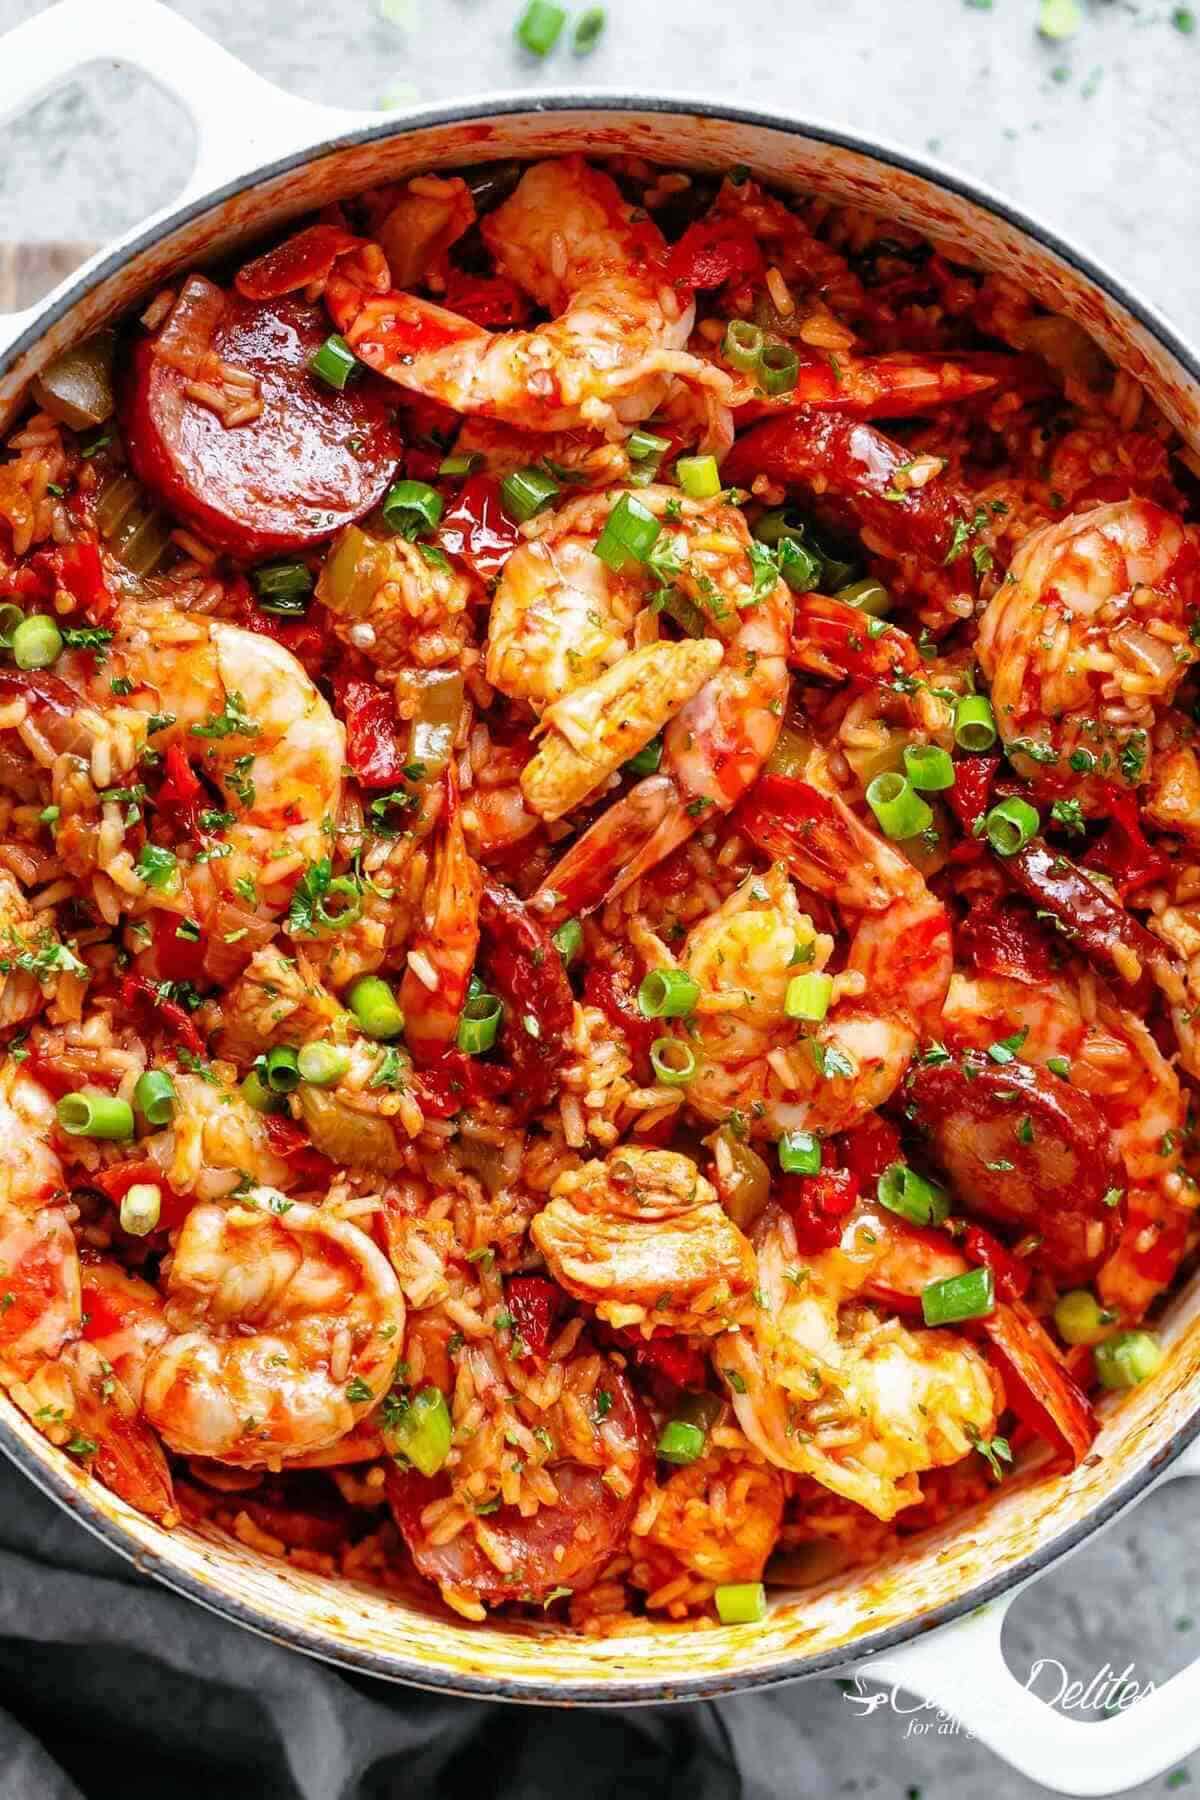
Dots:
{"x": 971, "y": 795}
{"x": 181, "y": 793}
{"x": 535, "y": 1303}
{"x": 373, "y": 748}
{"x": 293, "y": 1146}
{"x": 833, "y": 639}
{"x": 296, "y": 263}
{"x": 177, "y": 958}
{"x": 116, "y": 1182}
{"x": 611, "y": 987}
{"x": 1122, "y": 850}
{"x": 315, "y": 459}
{"x": 139, "y": 989}
{"x": 668, "y": 1355}
{"x": 712, "y": 252}
{"x": 818, "y": 1205}
{"x": 527, "y": 972}
{"x": 489, "y": 300}
{"x": 478, "y": 529}
{"x": 1001, "y": 936}
{"x": 868, "y": 1149}
{"x": 455, "y": 1080}
{"x": 1011, "y": 1274}
{"x": 1024, "y": 1148}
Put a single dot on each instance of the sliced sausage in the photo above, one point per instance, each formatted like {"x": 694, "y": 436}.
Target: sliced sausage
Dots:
{"x": 1024, "y": 1148}
{"x": 1091, "y": 920}
{"x": 563, "y": 1546}
{"x": 314, "y": 460}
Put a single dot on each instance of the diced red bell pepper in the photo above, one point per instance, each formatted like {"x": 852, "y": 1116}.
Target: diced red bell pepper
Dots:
{"x": 1001, "y": 936}
{"x": 478, "y": 529}
{"x": 296, "y": 263}
{"x": 456, "y": 1080}
{"x": 373, "y": 748}
{"x": 77, "y": 568}
{"x": 140, "y": 990}
{"x": 294, "y": 1147}
{"x": 712, "y": 252}
{"x": 668, "y": 1355}
{"x": 1122, "y": 851}
{"x": 971, "y": 795}
{"x": 1011, "y": 1274}
{"x": 818, "y": 1204}
{"x": 488, "y": 300}
{"x": 535, "y": 1303}
{"x": 180, "y": 794}
{"x": 177, "y": 958}
{"x": 869, "y": 1148}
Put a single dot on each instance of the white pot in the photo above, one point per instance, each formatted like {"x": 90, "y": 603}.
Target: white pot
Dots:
{"x": 929, "y": 1617}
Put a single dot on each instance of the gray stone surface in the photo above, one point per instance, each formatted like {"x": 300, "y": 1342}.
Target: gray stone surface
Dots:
{"x": 1098, "y": 137}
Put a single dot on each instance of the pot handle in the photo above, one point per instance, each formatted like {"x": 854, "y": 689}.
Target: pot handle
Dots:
{"x": 961, "y": 1669}
{"x": 240, "y": 120}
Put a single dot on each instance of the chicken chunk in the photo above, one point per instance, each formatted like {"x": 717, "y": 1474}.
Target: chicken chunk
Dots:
{"x": 643, "y": 1238}
{"x": 276, "y": 1001}
{"x": 719, "y": 1517}
{"x": 30, "y": 956}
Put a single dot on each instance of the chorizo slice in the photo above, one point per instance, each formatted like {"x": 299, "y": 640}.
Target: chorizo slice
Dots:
{"x": 1023, "y": 1148}
{"x": 312, "y": 461}
{"x": 562, "y": 1546}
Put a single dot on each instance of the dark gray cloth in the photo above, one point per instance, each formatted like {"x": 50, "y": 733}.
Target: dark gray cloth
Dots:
{"x": 113, "y": 1688}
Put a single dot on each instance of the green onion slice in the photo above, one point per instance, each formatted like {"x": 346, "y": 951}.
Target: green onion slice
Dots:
{"x": 525, "y": 492}
{"x": 412, "y": 507}
{"x": 905, "y": 1192}
{"x": 647, "y": 759}
{"x": 741, "y": 1602}
{"x": 808, "y": 996}
{"x": 867, "y": 596}
{"x": 282, "y": 1069}
{"x": 630, "y": 534}
{"x": 141, "y": 1208}
{"x": 667, "y": 994}
{"x": 974, "y": 723}
{"x": 479, "y": 1023}
{"x": 680, "y": 1442}
{"x": 969, "y": 1296}
{"x": 92, "y": 1114}
{"x": 155, "y": 1097}
{"x": 540, "y": 26}
{"x": 421, "y": 1431}
{"x": 568, "y": 940}
{"x": 699, "y": 477}
{"x": 452, "y": 466}
{"x": 1010, "y": 825}
{"x": 36, "y": 642}
{"x": 673, "y": 1061}
{"x": 643, "y": 446}
{"x": 800, "y": 1153}
{"x": 323, "y": 1065}
{"x": 743, "y": 345}
{"x": 335, "y": 362}
{"x": 778, "y": 367}
{"x": 900, "y": 810}
{"x": 283, "y": 587}
{"x": 928, "y": 767}
{"x": 1127, "y": 1359}
{"x": 1079, "y": 1318}
{"x": 375, "y": 1007}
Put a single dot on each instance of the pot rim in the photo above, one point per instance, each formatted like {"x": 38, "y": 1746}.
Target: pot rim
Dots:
{"x": 389, "y": 1666}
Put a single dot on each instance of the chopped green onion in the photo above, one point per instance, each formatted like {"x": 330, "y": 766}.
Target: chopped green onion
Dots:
{"x": 798, "y": 566}
{"x": 778, "y": 526}
{"x": 905, "y": 1192}
{"x": 568, "y": 940}
{"x": 323, "y": 1065}
{"x": 1126, "y": 1359}
{"x": 412, "y": 507}
{"x": 673, "y": 1062}
{"x": 800, "y": 1153}
{"x": 452, "y": 466}
{"x": 1079, "y": 1318}
{"x": 969, "y": 1296}
{"x": 158, "y": 868}
{"x": 283, "y": 587}
{"x": 256, "y": 1093}
{"x": 743, "y": 345}
{"x": 778, "y": 368}
{"x": 974, "y": 723}
{"x": 421, "y": 1431}
{"x": 630, "y": 534}
{"x": 36, "y": 642}
{"x": 1010, "y": 825}
{"x": 335, "y": 362}
{"x": 348, "y": 893}
{"x": 900, "y": 810}
{"x": 10, "y": 617}
{"x": 154, "y": 1096}
{"x": 588, "y": 30}
{"x": 479, "y": 1022}
{"x": 1059, "y": 19}
{"x": 928, "y": 767}
{"x": 283, "y": 1069}
{"x": 667, "y": 994}
{"x": 50, "y": 815}
{"x": 525, "y": 492}
{"x": 540, "y": 26}
{"x": 92, "y": 1114}
{"x": 647, "y": 759}
{"x": 741, "y": 1602}
{"x": 808, "y": 996}
{"x": 699, "y": 477}
{"x": 680, "y": 1442}
{"x": 867, "y": 596}
{"x": 141, "y": 1209}
{"x": 374, "y": 1005}
{"x": 643, "y": 446}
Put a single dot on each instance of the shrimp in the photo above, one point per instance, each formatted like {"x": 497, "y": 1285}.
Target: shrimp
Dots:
{"x": 442, "y": 953}
{"x": 824, "y": 1386}
{"x": 716, "y": 743}
{"x": 1087, "y": 640}
{"x": 27, "y": 945}
{"x": 754, "y": 1060}
{"x": 286, "y": 1325}
{"x": 1116, "y": 1064}
{"x": 644, "y": 1239}
{"x": 215, "y": 1139}
{"x": 718, "y": 1517}
{"x": 615, "y": 341}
